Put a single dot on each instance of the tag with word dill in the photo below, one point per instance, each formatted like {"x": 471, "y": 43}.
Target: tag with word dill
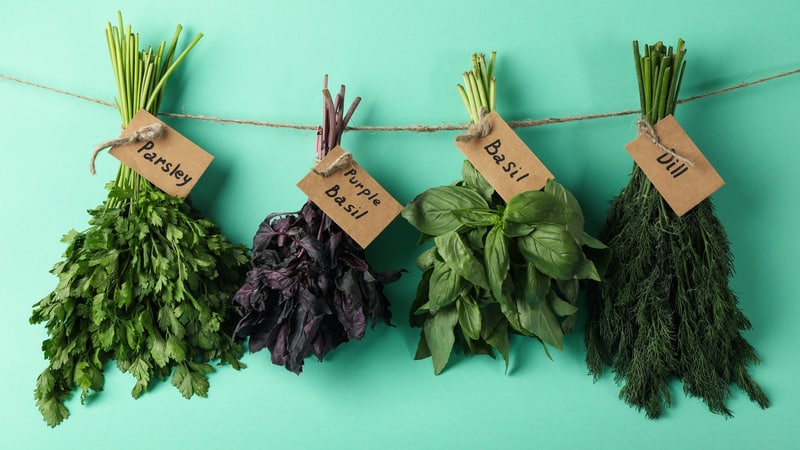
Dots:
{"x": 674, "y": 164}
{"x": 171, "y": 161}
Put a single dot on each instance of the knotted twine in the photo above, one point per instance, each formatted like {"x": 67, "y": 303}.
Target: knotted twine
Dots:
{"x": 481, "y": 129}
{"x": 645, "y": 129}
{"x": 145, "y": 133}
{"x": 344, "y": 160}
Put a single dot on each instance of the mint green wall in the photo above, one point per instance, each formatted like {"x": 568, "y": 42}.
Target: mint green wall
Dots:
{"x": 265, "y": 60}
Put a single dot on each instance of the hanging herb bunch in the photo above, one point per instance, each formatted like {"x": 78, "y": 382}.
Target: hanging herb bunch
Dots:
{"x": 149, "y": 283}
{"x": 496, "y": 269}
{"x": 310, "y": 288}
{"x": 665, "y": 309}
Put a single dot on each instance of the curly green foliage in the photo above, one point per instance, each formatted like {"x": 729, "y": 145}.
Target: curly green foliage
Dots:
{"x": 665, "y": 309}
{"x": 148, "y": 285}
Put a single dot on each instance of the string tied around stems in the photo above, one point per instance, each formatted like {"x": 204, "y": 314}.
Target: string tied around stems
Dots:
{"x": 645, "y": 129}
{"x": 145, "y": 133}
{"x": 343, "y": 161}
{"x": 477, "y": 130}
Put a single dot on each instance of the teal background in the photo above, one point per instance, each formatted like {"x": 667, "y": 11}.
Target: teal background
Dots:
{"x": 265, "y": 60}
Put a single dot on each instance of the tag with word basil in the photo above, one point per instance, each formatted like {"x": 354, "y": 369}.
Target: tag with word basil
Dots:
{"x": 681, "y": 174}
{"x": 171, "y": 162}
{"x": 352, "y": 198}
{"x": 504, "y": 160}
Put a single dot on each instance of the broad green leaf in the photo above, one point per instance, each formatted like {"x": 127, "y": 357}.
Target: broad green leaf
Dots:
{"x": 536, "y": 285}
{"x": 473, "y": 179}
{"x": 569, "y": 289}
{"x": 599, "y": 254}
{"x": 477, "y": 217}
{"x": 425, "y": 259}
{"x": 593, "y": 242}
{"x": 574, "y": 226}
{"x": 534, "y": 207}
{"x": 475, "y": 236}
{"x": 422, "y": 347}
{"x": 416, "y": 318}
{"x": 445, "y": 286}
{"x": 440, "y": 337}
{"x": 552, "y": 250}
{"x": 513, "y": 229}
{"x": 461, "y": 259}
{"x": 494, "y": 331}
{"x": 544, "y": 324}
{"x": 497, "y": 260}
{"x": 587, "y": 270}
{"x": 431, "y": 212}
{"x": 469, "y": 317}
{"x": 561, "y": 307}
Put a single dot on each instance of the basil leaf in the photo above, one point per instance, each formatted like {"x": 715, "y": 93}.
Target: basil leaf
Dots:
{"x": 494, "y": 330}
{"x": 574, "y": 226}
{"x": 419, "y": 305}
{"x": 586, "y": 269}
{"x": 569, "y": 288}
{"x": 475, "y": 237}
{"x": 440, "y": 337}
{"x": 458, "y": 256}
{"x": 543, "y": 323}
{"x": 514, "y": 229}
{"x": 473, "y": 178}
{"x": 561, "y": 307}
{"x": 476, "y": 217}
{"x": 536, "y": 206}
{"x": 445, "y": 286}
{"x": 431, "y": 211}
{"x": 469, "y": 317}
{"x": 552, "y": 250}
{"x": 497, "y": 261}
{"x": 537, "y": 284}
{"x": 425, "y": 259}
{"x": 422, "y": 347}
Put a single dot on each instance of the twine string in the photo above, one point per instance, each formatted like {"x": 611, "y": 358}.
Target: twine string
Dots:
{"x": 145, "y": 133}
{"x": 646, "y": 130}
{"x": 478, "y": 130}
{"x": 527, "y": 123}
{"x": 344, "y": 160}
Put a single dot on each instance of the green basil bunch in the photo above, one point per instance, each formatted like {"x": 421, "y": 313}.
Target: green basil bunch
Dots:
{"x": 497, "y": 269}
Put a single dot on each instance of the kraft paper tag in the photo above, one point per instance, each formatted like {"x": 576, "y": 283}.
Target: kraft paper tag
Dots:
{"x": 171, "y": 162}
{"x": 505, "y": 161}
{"x": 352, "y": 198}
{"x": 683, "y": 184}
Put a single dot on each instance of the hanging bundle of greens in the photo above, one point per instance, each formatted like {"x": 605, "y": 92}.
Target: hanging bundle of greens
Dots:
{"x": 149, "y": 283}
{"x": 496, "y": 268}
{"x": 665, "y": 309}
{"x": 310, "y": 287}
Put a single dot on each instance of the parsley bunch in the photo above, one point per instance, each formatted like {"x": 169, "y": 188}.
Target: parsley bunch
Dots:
{"x": 665, "y": 309}
{"x": 496, "y": 268}
{"x": 149, "y": 283}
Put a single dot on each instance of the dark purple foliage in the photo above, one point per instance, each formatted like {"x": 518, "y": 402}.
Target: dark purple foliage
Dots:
{"x": 309, "y": 290}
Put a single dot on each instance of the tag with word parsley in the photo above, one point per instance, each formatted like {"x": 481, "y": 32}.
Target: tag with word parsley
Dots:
{"x": 352, "y": 198}
{"x": 679, "y": 171}
{"x": 171, "y": 162}
{"x": 504, "y": 160}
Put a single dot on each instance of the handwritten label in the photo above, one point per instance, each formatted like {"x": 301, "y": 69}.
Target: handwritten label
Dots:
{"x": 683, "y": 182}
{"x": 171, "y": 162}
{"x": 505, "y": 161}
{"x": 352, "y": 198}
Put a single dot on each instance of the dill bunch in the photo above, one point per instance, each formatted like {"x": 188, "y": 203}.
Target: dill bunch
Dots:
{"x": 665, "y": 309}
